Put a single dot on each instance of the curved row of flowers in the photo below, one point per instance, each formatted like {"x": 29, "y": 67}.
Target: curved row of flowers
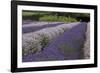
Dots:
{"x": 34, "y": 42}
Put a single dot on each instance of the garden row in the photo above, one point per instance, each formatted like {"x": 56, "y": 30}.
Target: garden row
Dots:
{"x": 34, "y": 42}
{"x": 67, "y": 46}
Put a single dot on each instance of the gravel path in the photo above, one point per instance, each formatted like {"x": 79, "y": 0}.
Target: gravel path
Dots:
{"x": 67, "y": 46}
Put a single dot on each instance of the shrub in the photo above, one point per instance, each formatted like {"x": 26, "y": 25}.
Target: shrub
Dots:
{"x": 44, "y": 40}
{"x": 35, "y": 45}
{"x": 57, "y": 18}
{"x": 31, "y": 46}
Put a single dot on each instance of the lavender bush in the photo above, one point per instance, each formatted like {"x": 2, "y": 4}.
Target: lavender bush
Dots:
{"x": 32, "y": 46}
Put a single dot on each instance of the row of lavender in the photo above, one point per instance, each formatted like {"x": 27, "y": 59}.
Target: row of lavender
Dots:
{"x": 33, "y": 42}
{"x": 86, "y": 47}
{"x": 67, "y": 46}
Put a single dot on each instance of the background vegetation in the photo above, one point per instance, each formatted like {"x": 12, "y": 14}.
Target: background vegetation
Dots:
{"x": 55, "y": 16}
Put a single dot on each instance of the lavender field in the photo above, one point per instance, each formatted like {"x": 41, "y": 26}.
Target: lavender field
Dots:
{"x": 49, "y": 41}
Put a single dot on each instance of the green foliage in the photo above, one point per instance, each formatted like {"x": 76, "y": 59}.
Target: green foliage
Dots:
{"x": 27, "y": 13}
{"x": 30, "y": 16}
{"x": 55, "y": 16}
{"x": 48, "y": 18}
{"x": 44, "y": 40}
{"x": 64, "y": 48}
